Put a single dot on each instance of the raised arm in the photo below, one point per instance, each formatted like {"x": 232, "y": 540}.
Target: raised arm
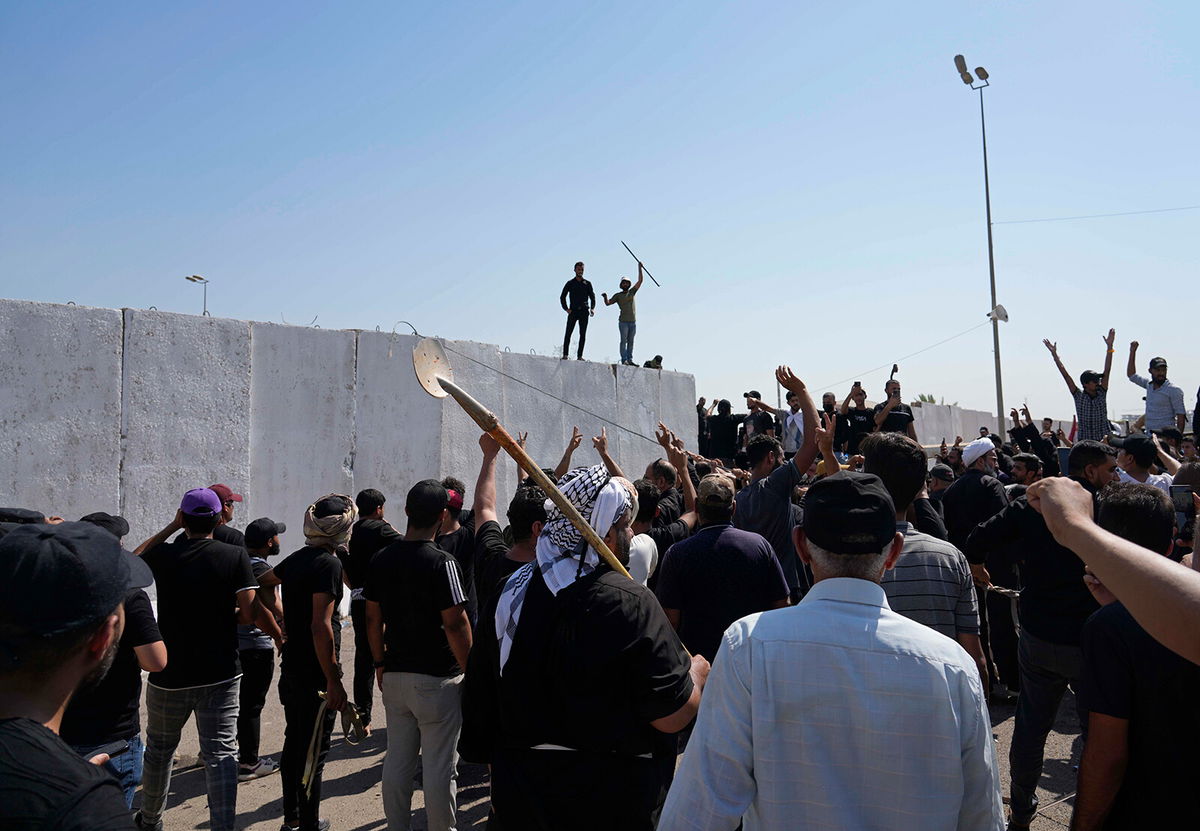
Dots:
{"x": 1053, "y": 347}
{"x": 521, "y": 474}
{"x": 845, "y": 408}
{"x": 1165, "y": 460}
{"x": 677, "y": 456}
{"x": 564, "y": 464}
{"x": 1108, "y": 345}
{"x": 808, "y": 450}
{"x": 485, "y": 486}
{"x": 1163, "y": 596}
{"x": 600, "y": 442}
{"x": 641, "y": 277}
{"x": 162, "y": 536}
{"x": 1131, "y": 367}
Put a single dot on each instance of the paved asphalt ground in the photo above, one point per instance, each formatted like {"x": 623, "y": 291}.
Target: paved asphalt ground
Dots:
{"x": 352, "y": 801}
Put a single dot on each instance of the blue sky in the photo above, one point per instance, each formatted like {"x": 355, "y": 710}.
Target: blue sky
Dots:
{"x": 805, "y": 182}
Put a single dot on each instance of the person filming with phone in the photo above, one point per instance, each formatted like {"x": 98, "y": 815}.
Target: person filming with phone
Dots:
{"x": 894, "y": 416}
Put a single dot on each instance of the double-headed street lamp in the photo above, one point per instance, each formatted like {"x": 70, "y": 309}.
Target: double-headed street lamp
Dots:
{"x": 204, "y": 282}
{"x": 980, "y": 82}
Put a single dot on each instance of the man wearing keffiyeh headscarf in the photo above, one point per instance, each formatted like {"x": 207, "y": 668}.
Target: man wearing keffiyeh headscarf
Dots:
{"x": 312, "y": 588}
{"x": 574, "y": 672}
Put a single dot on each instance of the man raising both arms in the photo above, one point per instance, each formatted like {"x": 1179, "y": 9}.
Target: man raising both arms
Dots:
{"x": 627, "y": 321}
{"x": 581, "y": 306}
{"x": 1091, "y": 403}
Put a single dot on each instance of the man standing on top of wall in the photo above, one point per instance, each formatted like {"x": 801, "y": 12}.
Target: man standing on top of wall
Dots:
{"x": 582, "y": 305}
{"x": 627, "y": 321}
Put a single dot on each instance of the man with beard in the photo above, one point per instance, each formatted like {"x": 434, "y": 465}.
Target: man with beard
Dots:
{"x": 857, "y": 422}
{"x": 591, "y": 670}
{"x": 893, "y": 415}
{"x": 61, "y": 593}
{"x": 108, "y": 712}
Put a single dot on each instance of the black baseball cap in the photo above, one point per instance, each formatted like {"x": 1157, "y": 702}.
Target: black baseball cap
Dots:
{"x": 57, "y": 578}
{"x": 260, "y": 532}
{"x": 118, "y": 526}
{"x": 850, "y": 513}
{"x": 1090, "y": 375}
{"x": 1140, "y": 447}
{"x": 752, "y": 394}
{"x": 943, "y": 472}
{"x": 21, "y": 516}
{"x": 1155, "y": 363}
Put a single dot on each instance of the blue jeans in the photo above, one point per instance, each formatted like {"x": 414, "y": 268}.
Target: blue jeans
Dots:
{"x": 628, "y": 330}
{"x": 1046, "y": 669}
{"x": 126, "y": 768}
{"x": 216, "y": 709}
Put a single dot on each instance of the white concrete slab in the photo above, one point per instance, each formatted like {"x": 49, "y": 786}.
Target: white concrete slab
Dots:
{"x": 477, "y": 370}
{"x": 677, "y": 405}
{"x": 186, "y": 413}
{"x": 302, "y": 431}
{"x": 60, "y": 408}
{"x": 398, "y": 424}
{"x": 637, "y": 393}
{"x": 529, "y": 407}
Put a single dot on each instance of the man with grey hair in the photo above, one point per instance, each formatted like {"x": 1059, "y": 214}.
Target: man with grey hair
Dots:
{"x": 574, "y": 671}
{"x": 805, "y": 704}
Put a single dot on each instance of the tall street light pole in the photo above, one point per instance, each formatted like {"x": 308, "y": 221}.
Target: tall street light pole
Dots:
{"x": 960, "y": 64}
{"x": 204, "y": 282}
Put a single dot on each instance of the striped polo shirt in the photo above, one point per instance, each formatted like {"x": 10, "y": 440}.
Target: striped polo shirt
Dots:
{"x": 931, "y": 584}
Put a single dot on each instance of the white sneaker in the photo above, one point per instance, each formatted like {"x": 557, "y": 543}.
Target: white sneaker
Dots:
{"x": 263, "y": 767}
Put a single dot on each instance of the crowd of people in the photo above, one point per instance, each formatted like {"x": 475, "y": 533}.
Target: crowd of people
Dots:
{"x": 815, "y": 625}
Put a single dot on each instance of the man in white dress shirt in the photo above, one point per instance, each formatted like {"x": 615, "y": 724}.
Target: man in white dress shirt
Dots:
{"x": 838, "y": 712}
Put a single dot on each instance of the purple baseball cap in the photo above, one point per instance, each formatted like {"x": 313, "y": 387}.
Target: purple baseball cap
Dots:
{"x": 200, "y": 502}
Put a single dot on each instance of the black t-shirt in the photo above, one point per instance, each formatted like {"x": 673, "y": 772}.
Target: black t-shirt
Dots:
{"x": 109, "y": 711}
{"x": 716, "y": 576}
{"x": 197, "y": 583}
{"x": 765, "y": 507}
{"x": 460, "y": 545}
{"x": 589, "y": 669}
{"x": 722, "y": 435}
{"x": 229, "y": 535}
{"x": 45, "y": 785}
{"x": 368, "y": 537}
{"x": 897, "y": 420}
{"x": 305, "y": 573}
{"x": 492, "y": 562}
{"x": 854, "y": 426}
{"x": 757, "y": 423}
{"x": 670, "y": 506}
{"x": 1129, "y": 675}
{"x": 414, "y": 581}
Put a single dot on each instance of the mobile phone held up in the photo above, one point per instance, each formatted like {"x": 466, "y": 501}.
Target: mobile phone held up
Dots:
{"x": 1185, "y": 508}
{"x": 1064, "y": 455}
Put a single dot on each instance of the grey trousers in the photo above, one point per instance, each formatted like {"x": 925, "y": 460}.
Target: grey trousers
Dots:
{"x": 424, "y": 718}
{"x": 216, "y": 709}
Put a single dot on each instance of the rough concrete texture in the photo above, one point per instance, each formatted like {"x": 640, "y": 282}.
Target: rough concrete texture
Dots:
{"x": 677, "y": 404}
{"x": 397, "y": 423}
{"x": 637, "y": 409}
{"x": 140, "y": 407}
{"x": 302, "y": 439}
{"x": 186, "y": 414}
{"x": 60, "y": 408}
{"x": 477, "y": 370}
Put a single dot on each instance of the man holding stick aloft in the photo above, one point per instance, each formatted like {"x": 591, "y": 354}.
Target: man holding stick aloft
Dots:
{"x": 574, "y": 670}
{"x": 627, "y": 321}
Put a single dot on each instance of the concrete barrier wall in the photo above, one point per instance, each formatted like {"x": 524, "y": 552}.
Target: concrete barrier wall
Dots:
{"x": 124, "y": 411}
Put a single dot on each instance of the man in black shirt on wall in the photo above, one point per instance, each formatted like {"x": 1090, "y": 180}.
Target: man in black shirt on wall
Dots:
{"x": 579, "y": 302}
{"x": 61, "y": 593}
{"x": 371, "y": 534}
{"x": 420, "y": 637}
{"x": 199, "y": 583}
{"x": 312, "y": 588}
{"x": 855, "y": 423}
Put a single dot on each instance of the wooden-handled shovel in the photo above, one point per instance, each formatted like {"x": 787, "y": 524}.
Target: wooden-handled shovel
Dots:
{"x": 437, "y": 378}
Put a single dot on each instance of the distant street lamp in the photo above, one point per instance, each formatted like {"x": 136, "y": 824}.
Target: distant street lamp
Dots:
{"x": 960, "y": 64}
{"x": 204, "y": 282}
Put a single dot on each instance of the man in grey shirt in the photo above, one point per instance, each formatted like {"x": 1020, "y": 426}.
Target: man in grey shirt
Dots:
{"x": 765, "y": 505}
{"x": 931, "y": 582}
{"x": 1164, "y": 400}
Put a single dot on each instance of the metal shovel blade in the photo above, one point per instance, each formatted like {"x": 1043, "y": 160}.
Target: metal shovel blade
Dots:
{"x": 431, "y": 365}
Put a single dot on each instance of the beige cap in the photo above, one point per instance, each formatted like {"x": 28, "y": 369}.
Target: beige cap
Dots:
{"x": 716, "y": 489}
